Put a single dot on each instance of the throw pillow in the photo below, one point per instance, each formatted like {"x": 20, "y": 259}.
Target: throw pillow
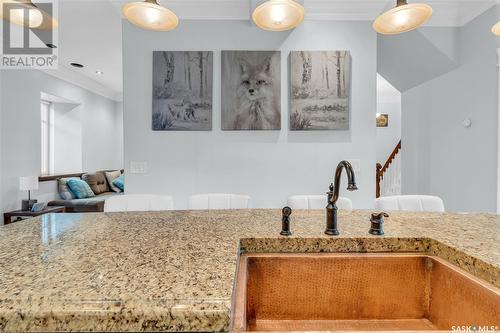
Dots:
{"x": 80, "y": 188}
{"x": 112, "y": 175}
{"x": 97, "y": 182}
{"x": 119, "y": 182}
{"x": 64, "y": 190}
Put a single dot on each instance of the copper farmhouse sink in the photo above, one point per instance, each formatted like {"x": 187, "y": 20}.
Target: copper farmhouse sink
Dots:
{"x": 378, "y": 292}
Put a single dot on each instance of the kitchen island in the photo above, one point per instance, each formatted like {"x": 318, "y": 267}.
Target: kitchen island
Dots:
{"x": 174, "y": 271}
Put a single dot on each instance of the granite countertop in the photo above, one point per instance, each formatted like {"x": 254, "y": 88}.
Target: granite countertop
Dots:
{"x": 174, "y": 271}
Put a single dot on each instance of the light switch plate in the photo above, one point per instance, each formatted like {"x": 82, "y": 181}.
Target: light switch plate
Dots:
{"x": 356, "y": 164}
{"x": 139, "y": 167}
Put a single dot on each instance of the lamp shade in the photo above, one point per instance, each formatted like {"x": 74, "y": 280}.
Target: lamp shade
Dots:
{"x": 496, "y": 29}
{"x": 150, "y": 15}
{"x": 402, "y": 18}
{"x": 278, "y": 15}
{"x": 28, "y": 183}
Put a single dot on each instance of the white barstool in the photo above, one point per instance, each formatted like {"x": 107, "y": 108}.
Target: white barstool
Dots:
{"x": 219, "y": 201}
{"x": 138, "y": 203}
{"x": 316, "y": 202}
{"x": 414, "y": 203}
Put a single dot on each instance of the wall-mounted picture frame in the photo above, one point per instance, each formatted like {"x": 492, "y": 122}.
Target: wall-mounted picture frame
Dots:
{"x": 182, "y": 90}
{"x": 382, "y": 120}
{"x": 320, "y": 83}
{"x": 251, "y": 90}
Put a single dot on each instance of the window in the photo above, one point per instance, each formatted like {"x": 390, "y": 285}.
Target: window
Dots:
{"x": 47, "y": 129}
{"x": 60, "y": 135}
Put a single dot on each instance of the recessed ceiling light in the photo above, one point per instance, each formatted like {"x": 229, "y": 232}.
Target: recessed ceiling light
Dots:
{"x": 402, "y": 18}
{"x": 52, "y": 46}
{"x": 278, "y": 15}
{"x": 150, "y": 15}
{"x": 99, "y": 72}
{"x": 77, "y": 65}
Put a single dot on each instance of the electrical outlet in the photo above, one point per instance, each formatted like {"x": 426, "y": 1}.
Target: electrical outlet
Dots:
{"x": 139, "y": 167}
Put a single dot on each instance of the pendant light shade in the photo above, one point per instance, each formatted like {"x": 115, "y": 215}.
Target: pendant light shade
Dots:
{"x": 496, "y": 29}
{"x": 150, "y": 15}
{"x": 36, "y": 18}
{"x": 402, "y": 18}
{"x": 278, "y": 15}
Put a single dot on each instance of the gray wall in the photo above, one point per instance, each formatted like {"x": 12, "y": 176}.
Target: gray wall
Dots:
{"x": 67, "y": 146}
{"x": 20, "y": 131}
{"x": 388, "y": 137}
{"x": 441, "y": 157}
{"x": 388, "y": 102}
{"x": 268, "y": 165}
{"x": 410, "y": 59}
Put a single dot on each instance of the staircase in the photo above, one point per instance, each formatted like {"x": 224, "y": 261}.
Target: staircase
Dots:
{"x": 388, "y": 176}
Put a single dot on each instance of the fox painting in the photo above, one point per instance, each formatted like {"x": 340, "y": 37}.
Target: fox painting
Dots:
{"x": 251, "y": 90}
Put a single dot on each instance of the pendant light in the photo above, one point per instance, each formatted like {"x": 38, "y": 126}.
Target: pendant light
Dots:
{"x": 36, "y": 17}
{"x": 496, "y": 29}
{"x": 402, "y": 18}
{"x": 150, "y": 15}
{"x": 278, "y": 15}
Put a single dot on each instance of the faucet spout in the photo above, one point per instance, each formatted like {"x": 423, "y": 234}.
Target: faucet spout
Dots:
{"x": 351, "y": 179}
{"x": 333, "y": 196}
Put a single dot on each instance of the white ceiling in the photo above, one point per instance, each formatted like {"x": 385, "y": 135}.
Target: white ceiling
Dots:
{"x": 90, "y": 30}
{"x": 90, "y": 33}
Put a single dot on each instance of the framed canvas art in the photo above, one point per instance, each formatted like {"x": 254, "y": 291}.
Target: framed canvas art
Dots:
{"x": 251, "y": 90}
{"x": 182, "y": 90}
{"x": 320, "y": 83}
{"x": 382, "y": 120}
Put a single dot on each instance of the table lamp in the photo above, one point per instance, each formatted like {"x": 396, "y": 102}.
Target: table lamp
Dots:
{"x": 28, "y": 183}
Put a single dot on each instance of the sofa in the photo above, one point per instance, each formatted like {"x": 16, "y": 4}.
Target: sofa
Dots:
{"x": 99, "y": 184}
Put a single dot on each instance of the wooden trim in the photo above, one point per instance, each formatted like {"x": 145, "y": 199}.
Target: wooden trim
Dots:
{"x": 391, "y": 158}
{"x": 378, "y": 179}
{"x": 380, "y": 170}
{"x": 49, "y": 178}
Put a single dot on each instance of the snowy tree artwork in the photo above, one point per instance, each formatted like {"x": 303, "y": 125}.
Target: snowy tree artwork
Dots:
{"x": 182, "y": 90}
{"x": 320, "y": 90}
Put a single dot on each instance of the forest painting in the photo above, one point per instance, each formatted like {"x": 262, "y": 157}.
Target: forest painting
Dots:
{"x": 182, "y": 90}
{"x": 320, "y": 90}
{"x": 251, "y": 90}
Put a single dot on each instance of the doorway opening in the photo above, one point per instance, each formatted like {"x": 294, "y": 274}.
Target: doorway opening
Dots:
{"x": 388, "y": 139}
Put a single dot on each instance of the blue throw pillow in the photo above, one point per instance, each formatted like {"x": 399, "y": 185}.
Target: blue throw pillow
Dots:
{"x": 119, "y": 182}
{"x": 80, "y": 188}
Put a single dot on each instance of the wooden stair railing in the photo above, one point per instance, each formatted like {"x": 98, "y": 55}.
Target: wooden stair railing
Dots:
{"x": 380, "y": 170}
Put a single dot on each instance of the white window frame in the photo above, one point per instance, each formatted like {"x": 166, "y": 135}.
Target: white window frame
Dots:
{"x": 498, "y": 136}
{"x": 46, "y": 137}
